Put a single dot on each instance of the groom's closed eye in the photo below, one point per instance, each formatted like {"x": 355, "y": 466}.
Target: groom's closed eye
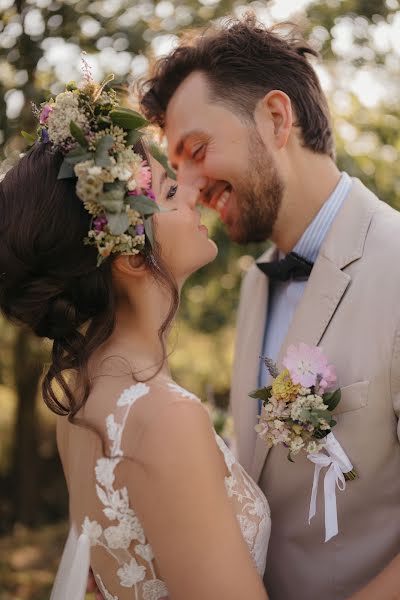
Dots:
{"x": 199, "y": 152}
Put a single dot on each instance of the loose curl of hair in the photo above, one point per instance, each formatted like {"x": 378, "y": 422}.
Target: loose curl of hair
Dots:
{"x": 49, "y": 280}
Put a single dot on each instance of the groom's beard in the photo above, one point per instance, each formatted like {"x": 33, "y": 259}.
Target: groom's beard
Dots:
{"x": 258, "y": 197}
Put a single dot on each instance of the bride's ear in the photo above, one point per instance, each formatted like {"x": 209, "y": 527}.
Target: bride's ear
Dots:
{"x": 129, "y": 265}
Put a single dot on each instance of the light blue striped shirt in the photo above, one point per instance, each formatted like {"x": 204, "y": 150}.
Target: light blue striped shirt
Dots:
{"x": 285, "y": 296}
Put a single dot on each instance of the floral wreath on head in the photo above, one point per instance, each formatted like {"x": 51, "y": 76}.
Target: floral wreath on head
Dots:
{"x": 96, "y": 136}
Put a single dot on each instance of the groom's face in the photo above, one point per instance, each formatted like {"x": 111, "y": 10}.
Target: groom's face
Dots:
{"x": 222, "y": 153}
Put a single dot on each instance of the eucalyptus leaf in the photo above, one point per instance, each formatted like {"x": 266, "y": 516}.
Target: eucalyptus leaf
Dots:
{"x": 144, "y": 205}
{"x": 101, "y": 157}
{"x": 160, "y": 157}
{"x": 290, "y": 457}
{"x": 78, "y": 134}
{"x": 66, "y": 171}
{"x": 321, "y": 434}
{"x": 263, "y": 394}
{"x": 116, "y": 186}
{"x": 148, "y": 228}
{"x": 321, "y": 413}
{"x": 29, "y": 137}
{"x": 118, "y": 223}
{"x": 127, "y": 118}
{"x": 133, "y": 137}
{"x": 77, "y": 155}
{"x": 112, "y": 200}
{"x": 334, "y": 400}
{"x": 111, "y": 205}
{"x": 114, "y": 193}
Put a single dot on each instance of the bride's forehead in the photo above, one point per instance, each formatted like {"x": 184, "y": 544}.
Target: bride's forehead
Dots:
{"x": 156, "y": 168}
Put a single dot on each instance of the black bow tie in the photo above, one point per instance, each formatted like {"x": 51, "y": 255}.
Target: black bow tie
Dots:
{"x": 292, "y": 267}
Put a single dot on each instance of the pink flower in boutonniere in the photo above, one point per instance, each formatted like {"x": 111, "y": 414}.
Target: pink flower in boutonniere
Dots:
{"x": 308, "y": 366}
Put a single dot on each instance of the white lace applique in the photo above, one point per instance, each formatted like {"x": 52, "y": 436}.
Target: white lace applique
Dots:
{"x": 126, "y": 528}
{"x": 184, "y": 393}
{"x": 104, "y": 591}
{"x": 127, "y": 398}
{"x": 251, "y": 506}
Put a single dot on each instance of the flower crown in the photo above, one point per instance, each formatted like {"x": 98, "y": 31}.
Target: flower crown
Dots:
{"x": 96, "y": 136}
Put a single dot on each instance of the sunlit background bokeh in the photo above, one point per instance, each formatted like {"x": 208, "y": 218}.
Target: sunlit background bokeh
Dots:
{"x": 40, "y": 50}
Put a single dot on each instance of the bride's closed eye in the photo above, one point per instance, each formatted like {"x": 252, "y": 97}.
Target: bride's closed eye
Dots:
{"x": 172, "y": 191}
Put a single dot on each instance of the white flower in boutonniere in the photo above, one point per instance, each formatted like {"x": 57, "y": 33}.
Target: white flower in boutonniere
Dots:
{"x": 298, "y": 414}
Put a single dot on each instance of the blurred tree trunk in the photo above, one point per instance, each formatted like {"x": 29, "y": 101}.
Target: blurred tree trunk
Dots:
{"x": 27, "y": 371}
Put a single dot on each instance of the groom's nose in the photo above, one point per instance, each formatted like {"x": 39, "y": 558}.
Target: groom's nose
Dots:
{"x": 188, "y": 174}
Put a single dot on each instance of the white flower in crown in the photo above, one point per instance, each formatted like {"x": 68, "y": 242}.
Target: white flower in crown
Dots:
{"x": 131, "y": 573}
{"x": 93, "y": 530}
{"x": 64, "y": 110}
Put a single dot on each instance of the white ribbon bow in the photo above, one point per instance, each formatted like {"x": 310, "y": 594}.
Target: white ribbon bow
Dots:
{"x": 338, "y": 463}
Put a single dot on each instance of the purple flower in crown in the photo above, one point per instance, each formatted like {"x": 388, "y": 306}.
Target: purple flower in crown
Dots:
{"x": 44, "y": 136}
{"x": 44, "y": 115}
{"x": 99, "y": 223}
{"x": 139, "y": 229}
{"x": 150, "y": 194}
{"x": 135, "y": 192}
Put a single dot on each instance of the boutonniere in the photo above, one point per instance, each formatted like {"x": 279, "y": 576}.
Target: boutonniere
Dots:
{"x": 297, "y": 413}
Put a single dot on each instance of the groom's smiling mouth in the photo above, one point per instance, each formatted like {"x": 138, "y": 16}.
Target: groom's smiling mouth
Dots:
{"x": 218, "y": 199}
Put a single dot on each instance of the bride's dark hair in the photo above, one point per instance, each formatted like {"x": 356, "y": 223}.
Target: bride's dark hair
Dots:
{"x": 48, "y": 277}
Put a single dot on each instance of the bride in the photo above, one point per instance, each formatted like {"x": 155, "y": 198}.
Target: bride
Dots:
{"x": 159, "y": 508}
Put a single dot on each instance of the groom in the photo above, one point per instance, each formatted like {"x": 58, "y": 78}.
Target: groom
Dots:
{"x": 246, "y": 119}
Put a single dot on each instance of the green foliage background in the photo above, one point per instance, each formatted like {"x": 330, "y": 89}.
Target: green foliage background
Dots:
{"x": 40, "y": 42}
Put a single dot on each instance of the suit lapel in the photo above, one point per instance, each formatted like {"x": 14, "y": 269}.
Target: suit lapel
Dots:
{"x": 327, "y": 284}
{"x": 250, "y": 332}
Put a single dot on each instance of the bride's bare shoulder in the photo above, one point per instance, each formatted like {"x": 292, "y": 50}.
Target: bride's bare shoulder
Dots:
{"x": 139, "y": 407}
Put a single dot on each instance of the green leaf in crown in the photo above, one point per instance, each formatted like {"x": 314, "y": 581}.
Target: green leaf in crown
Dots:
{"x": 127, "y": 118}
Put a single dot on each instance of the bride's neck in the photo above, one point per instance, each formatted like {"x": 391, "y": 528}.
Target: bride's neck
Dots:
{"x": 140, "y": 314}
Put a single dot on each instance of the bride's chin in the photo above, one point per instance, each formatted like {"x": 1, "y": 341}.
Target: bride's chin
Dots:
{"x": 206, "y": 258}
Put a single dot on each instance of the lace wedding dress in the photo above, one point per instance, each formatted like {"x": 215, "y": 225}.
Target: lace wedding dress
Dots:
{"x": 112, "y": 527}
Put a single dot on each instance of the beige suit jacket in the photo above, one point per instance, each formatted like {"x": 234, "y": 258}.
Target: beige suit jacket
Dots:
{"x": 350, "y": 307}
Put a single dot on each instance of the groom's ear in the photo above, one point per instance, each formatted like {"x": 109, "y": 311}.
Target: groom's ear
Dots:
{"x": 274, "y": 118}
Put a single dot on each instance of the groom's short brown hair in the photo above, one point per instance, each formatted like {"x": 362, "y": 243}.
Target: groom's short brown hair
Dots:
{"x": 243, "y": 60}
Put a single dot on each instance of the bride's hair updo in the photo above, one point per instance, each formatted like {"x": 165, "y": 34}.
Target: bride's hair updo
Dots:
{"x": 49, "y": 280}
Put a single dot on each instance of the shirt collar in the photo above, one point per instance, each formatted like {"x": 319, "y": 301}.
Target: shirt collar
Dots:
{"x": 312, "y": 239}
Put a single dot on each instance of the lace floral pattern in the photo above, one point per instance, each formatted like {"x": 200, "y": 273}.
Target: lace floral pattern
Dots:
{"x": 125, "y": 540}
{"x": 253, "y": 513}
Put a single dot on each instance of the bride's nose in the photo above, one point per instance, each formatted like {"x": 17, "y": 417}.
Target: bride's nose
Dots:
{"x": 193, "y": 192}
